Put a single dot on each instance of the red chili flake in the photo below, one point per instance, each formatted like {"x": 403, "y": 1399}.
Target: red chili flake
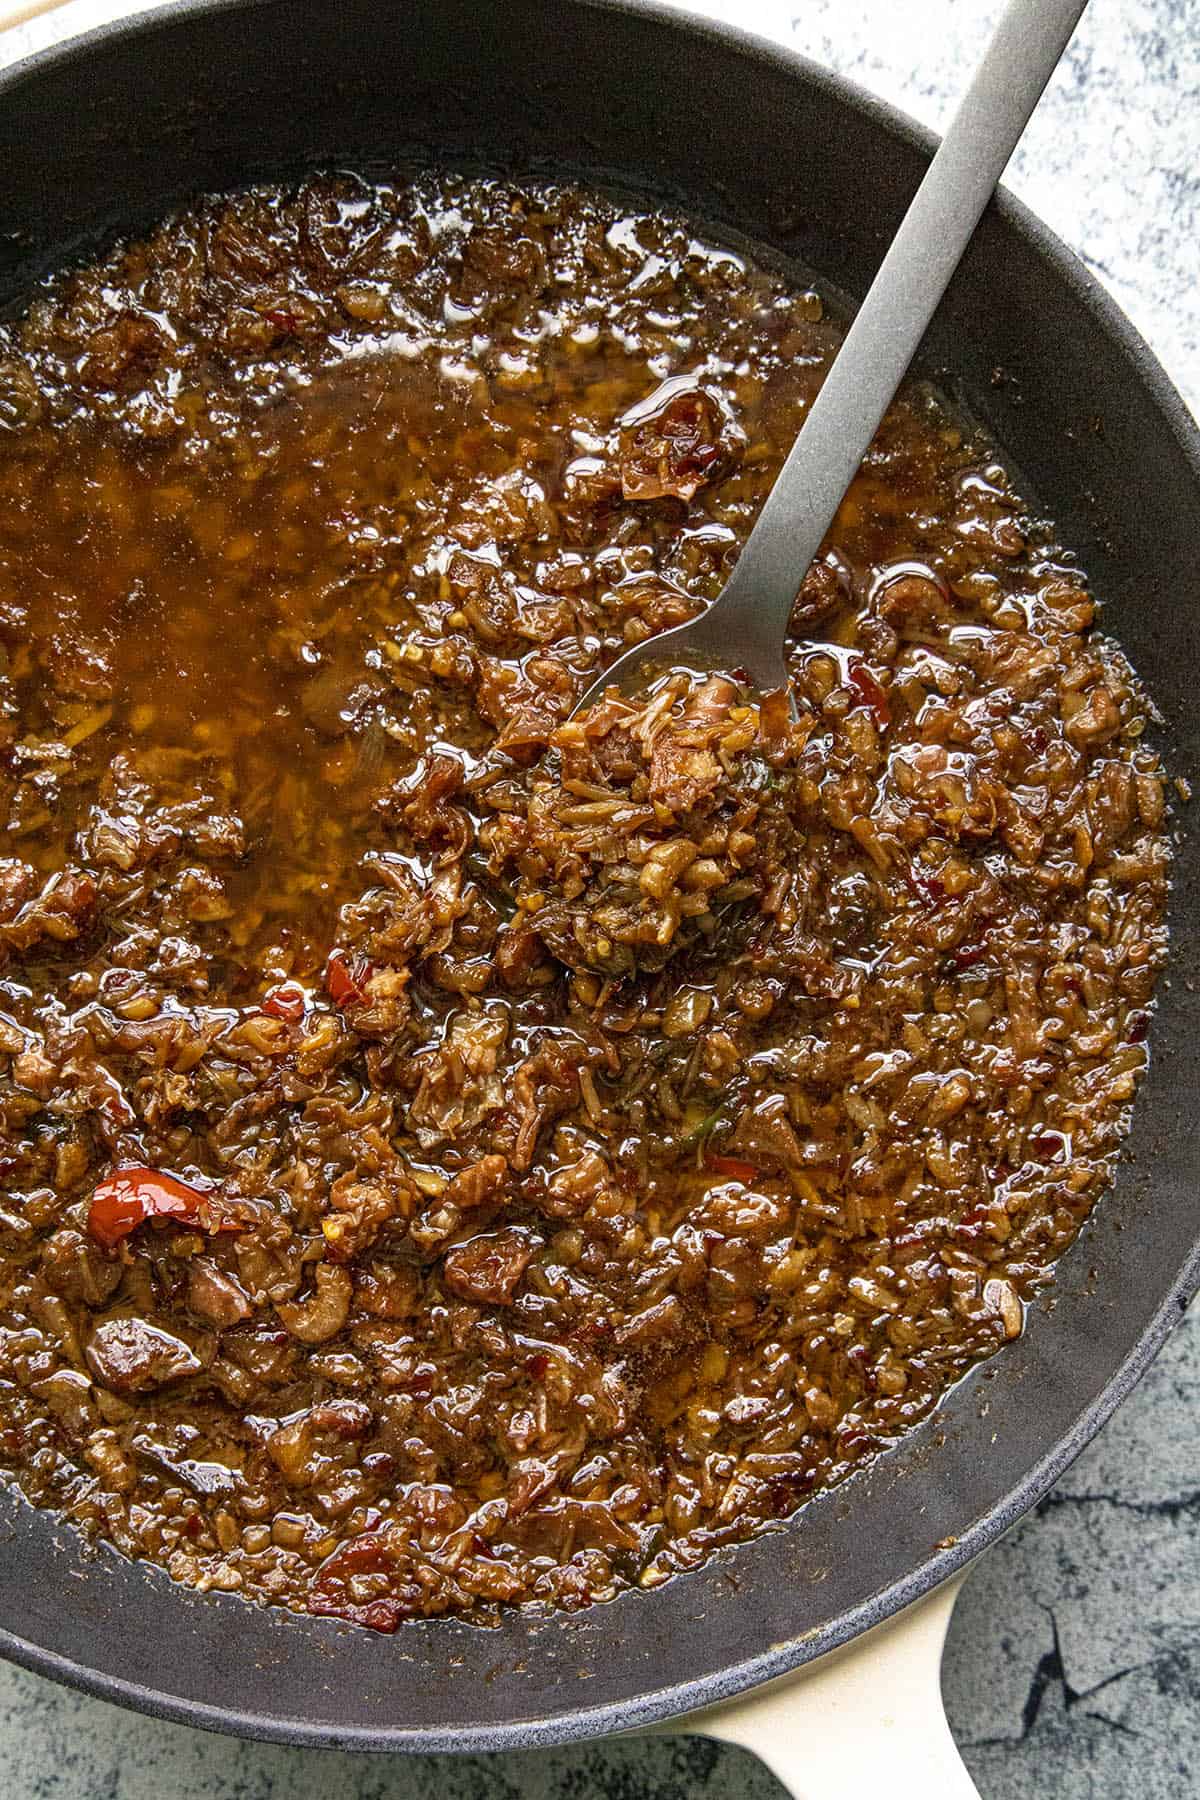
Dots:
{"x": 595, "y": 1330}
{"x": 347, "y": 981}
{"x": 380, "y": 1615}
{"x": 287, "y": 1000}
{"x": 131, "y": 1196}
{"x": 1139, "y": 1027}
{"x": 930, "y": 888}
{"x": 1050, "y": 1145}
{"x": 734, "y": 1167}
{"x": 367, "y": 1554}
{"x": 538, "y": 1365}
{"x": 193, "y": 1525}
{"x": 861, "y": 678}
{"x": 282, "y": 319}
{"x": 481, "y": 1547}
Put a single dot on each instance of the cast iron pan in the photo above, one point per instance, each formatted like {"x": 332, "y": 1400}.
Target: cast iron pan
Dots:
{"x": 113, "y": 128}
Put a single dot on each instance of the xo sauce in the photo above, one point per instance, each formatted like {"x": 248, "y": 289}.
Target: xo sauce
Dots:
{"x": 454, "y": 1154}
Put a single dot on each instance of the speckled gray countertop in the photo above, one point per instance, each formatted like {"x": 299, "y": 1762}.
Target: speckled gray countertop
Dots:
{"x": 1072, "y": 1670}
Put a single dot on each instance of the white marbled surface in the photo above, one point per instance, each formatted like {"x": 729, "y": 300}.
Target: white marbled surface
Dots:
{"x": 1073, "y": 1666}
{"x": 1111, "y": 158}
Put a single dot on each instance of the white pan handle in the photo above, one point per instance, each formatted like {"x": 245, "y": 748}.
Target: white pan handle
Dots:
{"x": 863, "y": 1722}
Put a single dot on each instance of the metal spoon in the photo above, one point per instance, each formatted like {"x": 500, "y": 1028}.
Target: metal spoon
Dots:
{"x": 744, "y": 628}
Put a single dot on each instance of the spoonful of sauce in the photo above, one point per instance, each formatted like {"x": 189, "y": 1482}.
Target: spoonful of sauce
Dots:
{"x": 744, "y": 628}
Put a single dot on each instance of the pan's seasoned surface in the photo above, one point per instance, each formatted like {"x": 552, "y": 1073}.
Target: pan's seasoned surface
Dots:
{"x": 452, "y": 1156}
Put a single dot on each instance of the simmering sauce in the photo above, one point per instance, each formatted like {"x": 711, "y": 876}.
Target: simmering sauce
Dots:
{"x": 454, "y": 1156}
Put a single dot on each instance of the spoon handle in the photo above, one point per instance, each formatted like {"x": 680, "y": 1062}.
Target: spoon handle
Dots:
{"x": 1028, "y": 42}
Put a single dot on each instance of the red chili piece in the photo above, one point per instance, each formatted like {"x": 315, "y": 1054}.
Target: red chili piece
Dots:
{"x": 369, "y": 1553}
{"x": 861, "y": 678}
{"x": 347, "y": 981}
{"x": 131, "y": 1196}
{"x": 287, "y": 1001}
{"x": 929, "y": 888}
{"x": 734, "y": 1167}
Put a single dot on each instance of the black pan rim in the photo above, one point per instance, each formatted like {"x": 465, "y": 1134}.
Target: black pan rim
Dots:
{"x": 658, "y": 1707}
